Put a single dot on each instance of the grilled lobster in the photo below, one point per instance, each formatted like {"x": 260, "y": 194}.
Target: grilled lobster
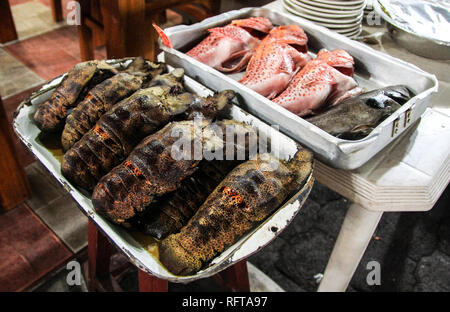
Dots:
{"x": 249, "y": 194}
{"x": 51, "y": 114}
{"x": 155, "y": 167}
{"x": 171, "y": 212}
{"x": 116, "y": 133}
{"x": 103, "y": 96}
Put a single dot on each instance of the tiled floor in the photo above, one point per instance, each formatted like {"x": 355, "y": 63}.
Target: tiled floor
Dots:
{"x": 50, "y": 54}
{"x": 14, "y": 76}
{"x": 33, "y": 18}
{"x": 28, "y": 249}
{"x": 56, "y": 208}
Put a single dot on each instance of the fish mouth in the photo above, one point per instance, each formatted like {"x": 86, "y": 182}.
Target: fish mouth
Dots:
{"x": 299, "y": 47}
{"x": 254, "y": 32}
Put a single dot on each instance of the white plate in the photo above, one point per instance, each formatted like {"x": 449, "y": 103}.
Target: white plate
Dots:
{"x": 341, "y": 2}
{"x": 354, "y": 34}
{"x": 335, "y": 6}
{"x": 322, "y": 21}
{"x": 336, "y": 13}
{"x": 350, "y": 32}
{"x": 346, "y": 31}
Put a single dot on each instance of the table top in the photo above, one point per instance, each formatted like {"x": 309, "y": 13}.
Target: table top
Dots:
{"x": 412, "y": 172}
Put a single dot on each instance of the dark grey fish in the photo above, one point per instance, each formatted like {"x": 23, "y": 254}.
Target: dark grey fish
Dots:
{"x": 356, "y": 117}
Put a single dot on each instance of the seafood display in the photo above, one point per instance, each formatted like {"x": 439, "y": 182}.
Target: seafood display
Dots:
{"x": 356, "y": 117}
{"x": 103, "y": 96}
{"x": 51, "y": 114}
{"x": 146, "y": 152}
{"x": 276, "y": 60}
{"x": 320, "y": 83}
{"x": 243, "y": 199}
{"x": 283, "y": 70}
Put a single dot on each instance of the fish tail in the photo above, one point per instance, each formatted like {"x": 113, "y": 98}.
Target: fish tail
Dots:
{"x": 164, "y": 39}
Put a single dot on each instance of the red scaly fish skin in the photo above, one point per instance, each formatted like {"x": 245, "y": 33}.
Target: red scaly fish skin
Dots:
{"x": 234, "y": 41}
{"x": 325, "y": 80}
{"x": 276, "y": 60}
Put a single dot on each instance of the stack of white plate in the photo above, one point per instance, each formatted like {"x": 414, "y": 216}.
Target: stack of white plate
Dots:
{"x": 342, "y": 16}
{"x": 368, "y": 9}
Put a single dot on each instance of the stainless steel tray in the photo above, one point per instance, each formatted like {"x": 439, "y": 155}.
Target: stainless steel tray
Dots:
{"x": 373, "y": 70}
{"x": 28, "y": 132}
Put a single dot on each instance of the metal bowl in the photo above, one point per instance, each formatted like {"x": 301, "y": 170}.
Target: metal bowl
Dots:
{"x": 418, "y": 44}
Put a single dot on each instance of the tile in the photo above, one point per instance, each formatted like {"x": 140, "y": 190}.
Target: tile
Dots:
{"x": 64, "y": 4}
{"x": 68, "y": 222}
{"x": 28, "y": 249}
{"x": 15, "y": 77}
{"x": 56, "y": 207}
{"x": 16, "y": 2}
{"x": 58, "y": 283}
{"x": 33, "y": 18}
{"x": 43, "y": 54}
{"x": 44, "y": 188}
{"x": 50, "y": 54}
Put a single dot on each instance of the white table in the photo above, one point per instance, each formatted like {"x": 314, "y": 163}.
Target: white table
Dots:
{"x": 408, "y": 175}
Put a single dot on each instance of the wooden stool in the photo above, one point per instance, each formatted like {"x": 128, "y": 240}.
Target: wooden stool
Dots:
{"x": 101, "y": 278}
{"x": 127, "y": 25}
{"x": 14, "y": 187}
{"x": 7, "y": 27}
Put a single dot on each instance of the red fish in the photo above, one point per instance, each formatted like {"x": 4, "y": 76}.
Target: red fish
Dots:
{"x": 326, "y": 80}
{"x": 228, "y": 48}
{"x": 276, "y": 60}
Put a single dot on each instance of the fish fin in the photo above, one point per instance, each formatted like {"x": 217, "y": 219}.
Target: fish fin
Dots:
{"x": 261, "y": 24}
{"x": 247, "y": 54}
{"x": 272, "y": 95}
{"x": 165, "y": 40}
{"x": 350, "y": 93}
{"x": 293, "y": 74}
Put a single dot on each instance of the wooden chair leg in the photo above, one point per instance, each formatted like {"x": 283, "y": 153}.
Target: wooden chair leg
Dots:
{"x": 85, "y": 35}
{"x": 235, "y": 277}
{"x": 57, "y": 11}
{"x": 127, "y": 29}
{"x": 212, "y": 5}
{"x": 7, "y": 27}
{"x": 149, "y": 283}
{"x": 99, "y": 254}
{"x": 14, "y": 187}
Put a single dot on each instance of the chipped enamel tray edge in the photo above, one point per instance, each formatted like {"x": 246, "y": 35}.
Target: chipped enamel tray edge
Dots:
{"x": 374, "y": 69}
{"x": 262, "y": 235}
